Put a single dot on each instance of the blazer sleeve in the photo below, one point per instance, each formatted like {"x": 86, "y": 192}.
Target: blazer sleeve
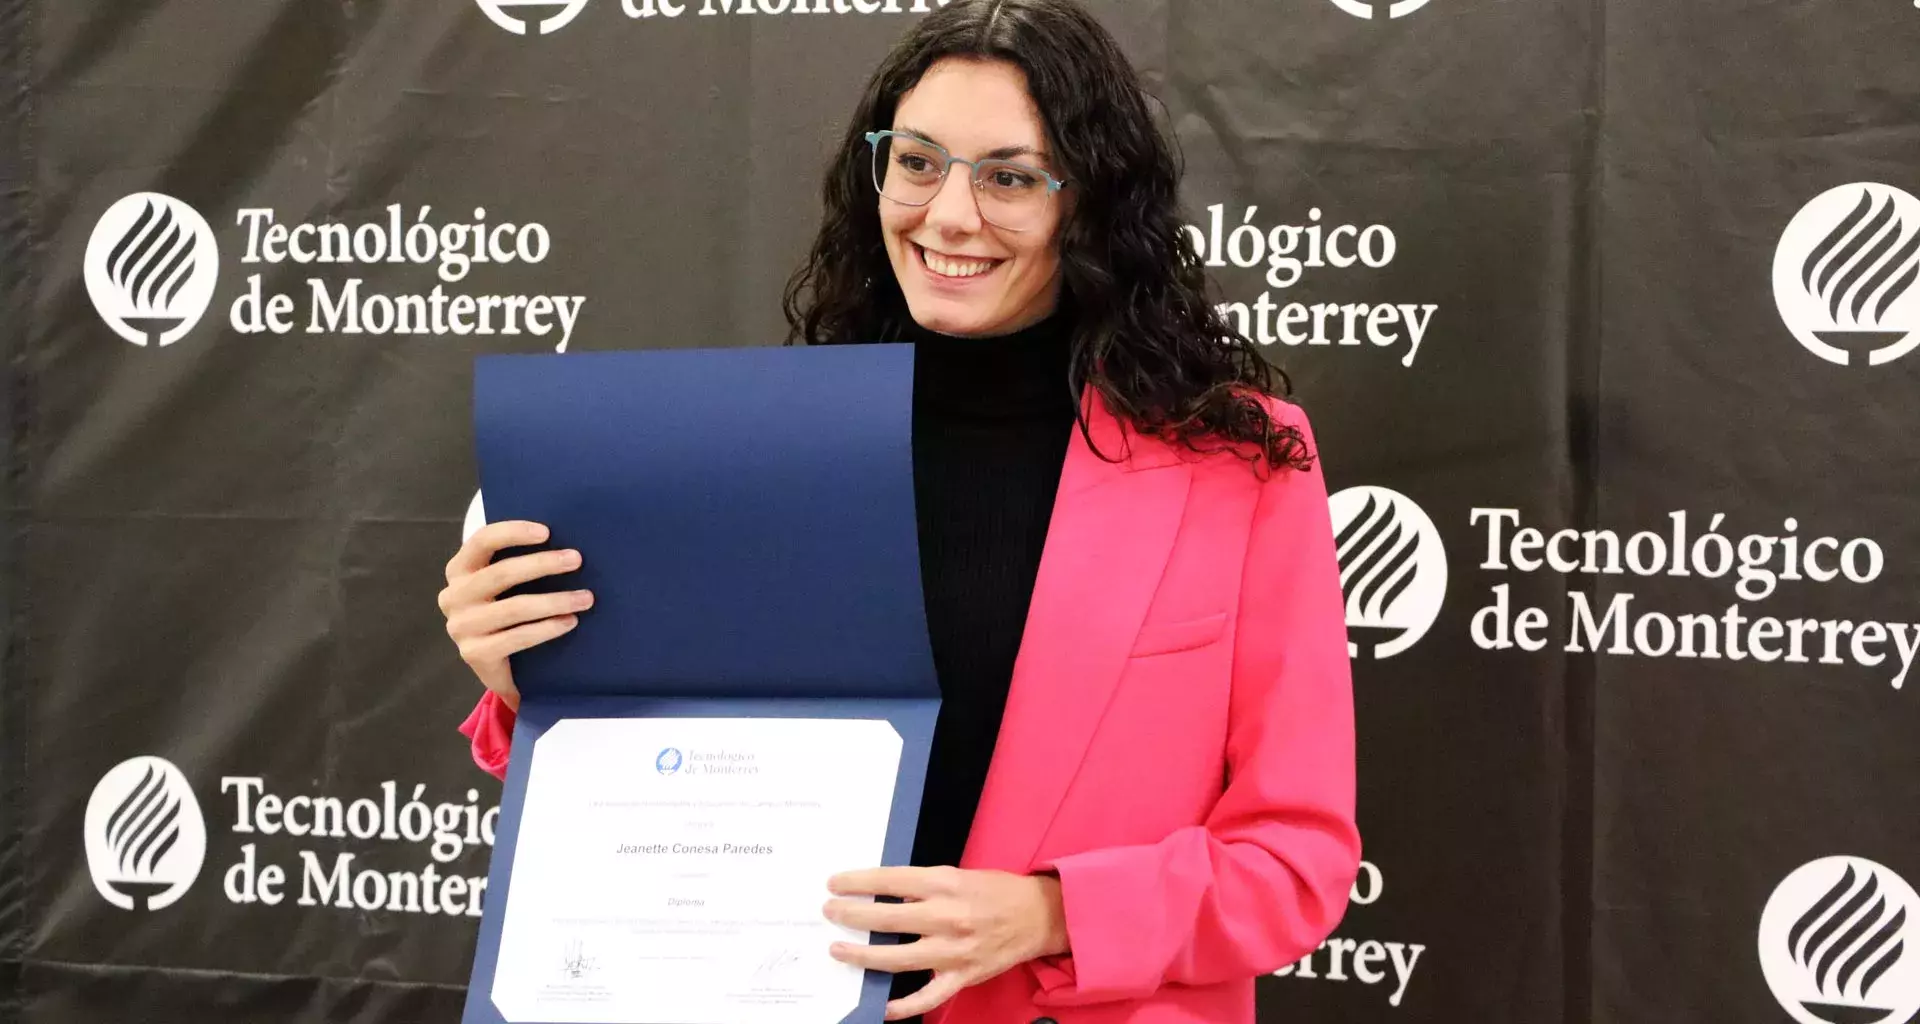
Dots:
{"x": 1266, "y": 878}
{"x": 490, "y": 728}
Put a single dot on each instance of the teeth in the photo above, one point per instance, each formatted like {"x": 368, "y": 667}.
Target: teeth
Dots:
{"x": 953, "y": 266}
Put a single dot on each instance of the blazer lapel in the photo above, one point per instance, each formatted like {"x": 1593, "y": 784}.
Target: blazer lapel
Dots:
{"x": 1108, "y": 541}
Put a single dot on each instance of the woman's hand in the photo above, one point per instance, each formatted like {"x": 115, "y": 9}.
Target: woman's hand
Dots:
{"x": 972, "y": 925}
{"x": 488, "y": 630}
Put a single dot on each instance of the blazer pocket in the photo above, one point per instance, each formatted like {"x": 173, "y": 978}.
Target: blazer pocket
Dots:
{"x": 1184, "y": 635}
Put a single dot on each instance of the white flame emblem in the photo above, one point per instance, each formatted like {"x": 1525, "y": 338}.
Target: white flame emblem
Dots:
{"x": 1844, "y": 271}
{"x": 151, "y": 268}
{"x": 535, "y": 17}
{"x": 1382, "y": 9}
{"x": 1393, "y": 569}
{"x": 1834, "y": 944}
{"x": 146, "y": 840}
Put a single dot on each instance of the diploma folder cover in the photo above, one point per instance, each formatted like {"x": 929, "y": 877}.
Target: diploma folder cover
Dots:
{"x": 746, "y": 523}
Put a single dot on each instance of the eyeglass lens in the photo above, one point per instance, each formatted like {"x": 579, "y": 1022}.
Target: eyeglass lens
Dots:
{"x": 911, "y": 171}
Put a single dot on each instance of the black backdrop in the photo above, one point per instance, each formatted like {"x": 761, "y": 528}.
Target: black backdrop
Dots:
{"x": 1606, "y": 302}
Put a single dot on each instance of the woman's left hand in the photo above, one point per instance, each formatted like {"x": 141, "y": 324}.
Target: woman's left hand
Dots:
{"x": 972, "y": 925}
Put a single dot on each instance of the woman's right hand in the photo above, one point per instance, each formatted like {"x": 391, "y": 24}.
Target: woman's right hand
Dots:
{"x": 487, "y": 630}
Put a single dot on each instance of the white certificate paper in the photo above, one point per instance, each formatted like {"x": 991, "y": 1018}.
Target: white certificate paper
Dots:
{"x": 672, "y": 870}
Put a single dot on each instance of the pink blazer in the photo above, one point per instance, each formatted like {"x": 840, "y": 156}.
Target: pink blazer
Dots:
{"x": 1178, "y": 741}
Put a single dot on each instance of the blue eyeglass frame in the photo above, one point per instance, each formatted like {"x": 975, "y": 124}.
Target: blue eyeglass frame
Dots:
{"x": 973, "y": 166}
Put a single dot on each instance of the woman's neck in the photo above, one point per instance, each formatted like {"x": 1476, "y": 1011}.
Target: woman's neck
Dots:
{"x": 1018, "y": 374}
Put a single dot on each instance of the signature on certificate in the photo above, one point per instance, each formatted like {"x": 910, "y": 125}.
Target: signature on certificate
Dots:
{"x": 776, "y": 963}
{"x": 575, "y": 964}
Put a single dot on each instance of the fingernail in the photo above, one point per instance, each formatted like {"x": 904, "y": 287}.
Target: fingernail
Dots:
{"x": 570, "y": 557}
{"x": 571, "y": 622}
{"x": 583, "y": 598}
{"x": 542, "y": 533}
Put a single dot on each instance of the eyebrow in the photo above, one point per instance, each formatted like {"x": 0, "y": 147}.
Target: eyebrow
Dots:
{"x": 1003, "y": 153}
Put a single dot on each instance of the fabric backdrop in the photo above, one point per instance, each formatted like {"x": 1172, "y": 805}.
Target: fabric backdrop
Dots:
{"x": 1603, "y": 310}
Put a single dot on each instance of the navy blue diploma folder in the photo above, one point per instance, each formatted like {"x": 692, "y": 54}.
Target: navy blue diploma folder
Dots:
{"x": 746, "y": 523}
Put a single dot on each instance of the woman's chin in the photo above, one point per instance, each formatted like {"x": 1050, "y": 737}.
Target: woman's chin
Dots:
{"x": 951, "y": 318}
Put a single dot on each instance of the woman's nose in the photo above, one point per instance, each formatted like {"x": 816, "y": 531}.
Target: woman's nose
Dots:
{"x": 954, "y": 207}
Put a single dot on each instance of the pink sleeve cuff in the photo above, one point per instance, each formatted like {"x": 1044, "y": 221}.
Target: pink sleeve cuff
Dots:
{"x": 1098, "y": 930}
{"x": 490, "y": 728}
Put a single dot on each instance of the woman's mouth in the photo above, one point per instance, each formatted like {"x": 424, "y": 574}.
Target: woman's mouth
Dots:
{"x": 954, "y": 268}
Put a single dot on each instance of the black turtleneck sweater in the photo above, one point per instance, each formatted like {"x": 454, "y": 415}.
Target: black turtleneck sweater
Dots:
{"x": 991, "y": 421}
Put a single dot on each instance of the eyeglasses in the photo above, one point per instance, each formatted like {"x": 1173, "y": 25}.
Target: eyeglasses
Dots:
{"x": 910, "y": 171}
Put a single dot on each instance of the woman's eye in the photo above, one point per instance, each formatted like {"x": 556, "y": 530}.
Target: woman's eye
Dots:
{"x": 1012, "y": 180}
{"x": 916, "y": 163}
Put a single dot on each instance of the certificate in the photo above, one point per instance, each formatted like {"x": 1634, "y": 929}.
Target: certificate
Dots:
{"x": 672, "y": 871}
{"x": 746, "y": 711}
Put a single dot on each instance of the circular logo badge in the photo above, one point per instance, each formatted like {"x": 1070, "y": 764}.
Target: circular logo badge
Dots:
{"x": 146, "y": 840}
{"x": 668, "y": 762}
{"x": 536, "y": 17}
{"x": 1384, "y": 9}
{"x": 1844, "y": 274}
{"x": 1393, "y": 569}
{"x": 1834, "y": 944}
{"x": 151, "y": 268}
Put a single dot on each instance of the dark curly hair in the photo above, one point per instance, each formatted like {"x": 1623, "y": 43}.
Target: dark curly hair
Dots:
{"x": 1146, "y": 335}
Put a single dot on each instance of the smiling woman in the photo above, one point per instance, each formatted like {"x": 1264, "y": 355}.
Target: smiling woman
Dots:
{"x": 1140, "y": 791}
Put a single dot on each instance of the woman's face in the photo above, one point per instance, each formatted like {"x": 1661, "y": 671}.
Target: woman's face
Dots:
{"x": 960, "y": 274}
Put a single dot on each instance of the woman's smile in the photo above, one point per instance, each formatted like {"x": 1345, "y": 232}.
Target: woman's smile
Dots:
{"x": 947, "y": 268}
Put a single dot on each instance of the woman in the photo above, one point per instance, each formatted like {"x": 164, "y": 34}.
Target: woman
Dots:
{"x": 1140, "y": 793}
